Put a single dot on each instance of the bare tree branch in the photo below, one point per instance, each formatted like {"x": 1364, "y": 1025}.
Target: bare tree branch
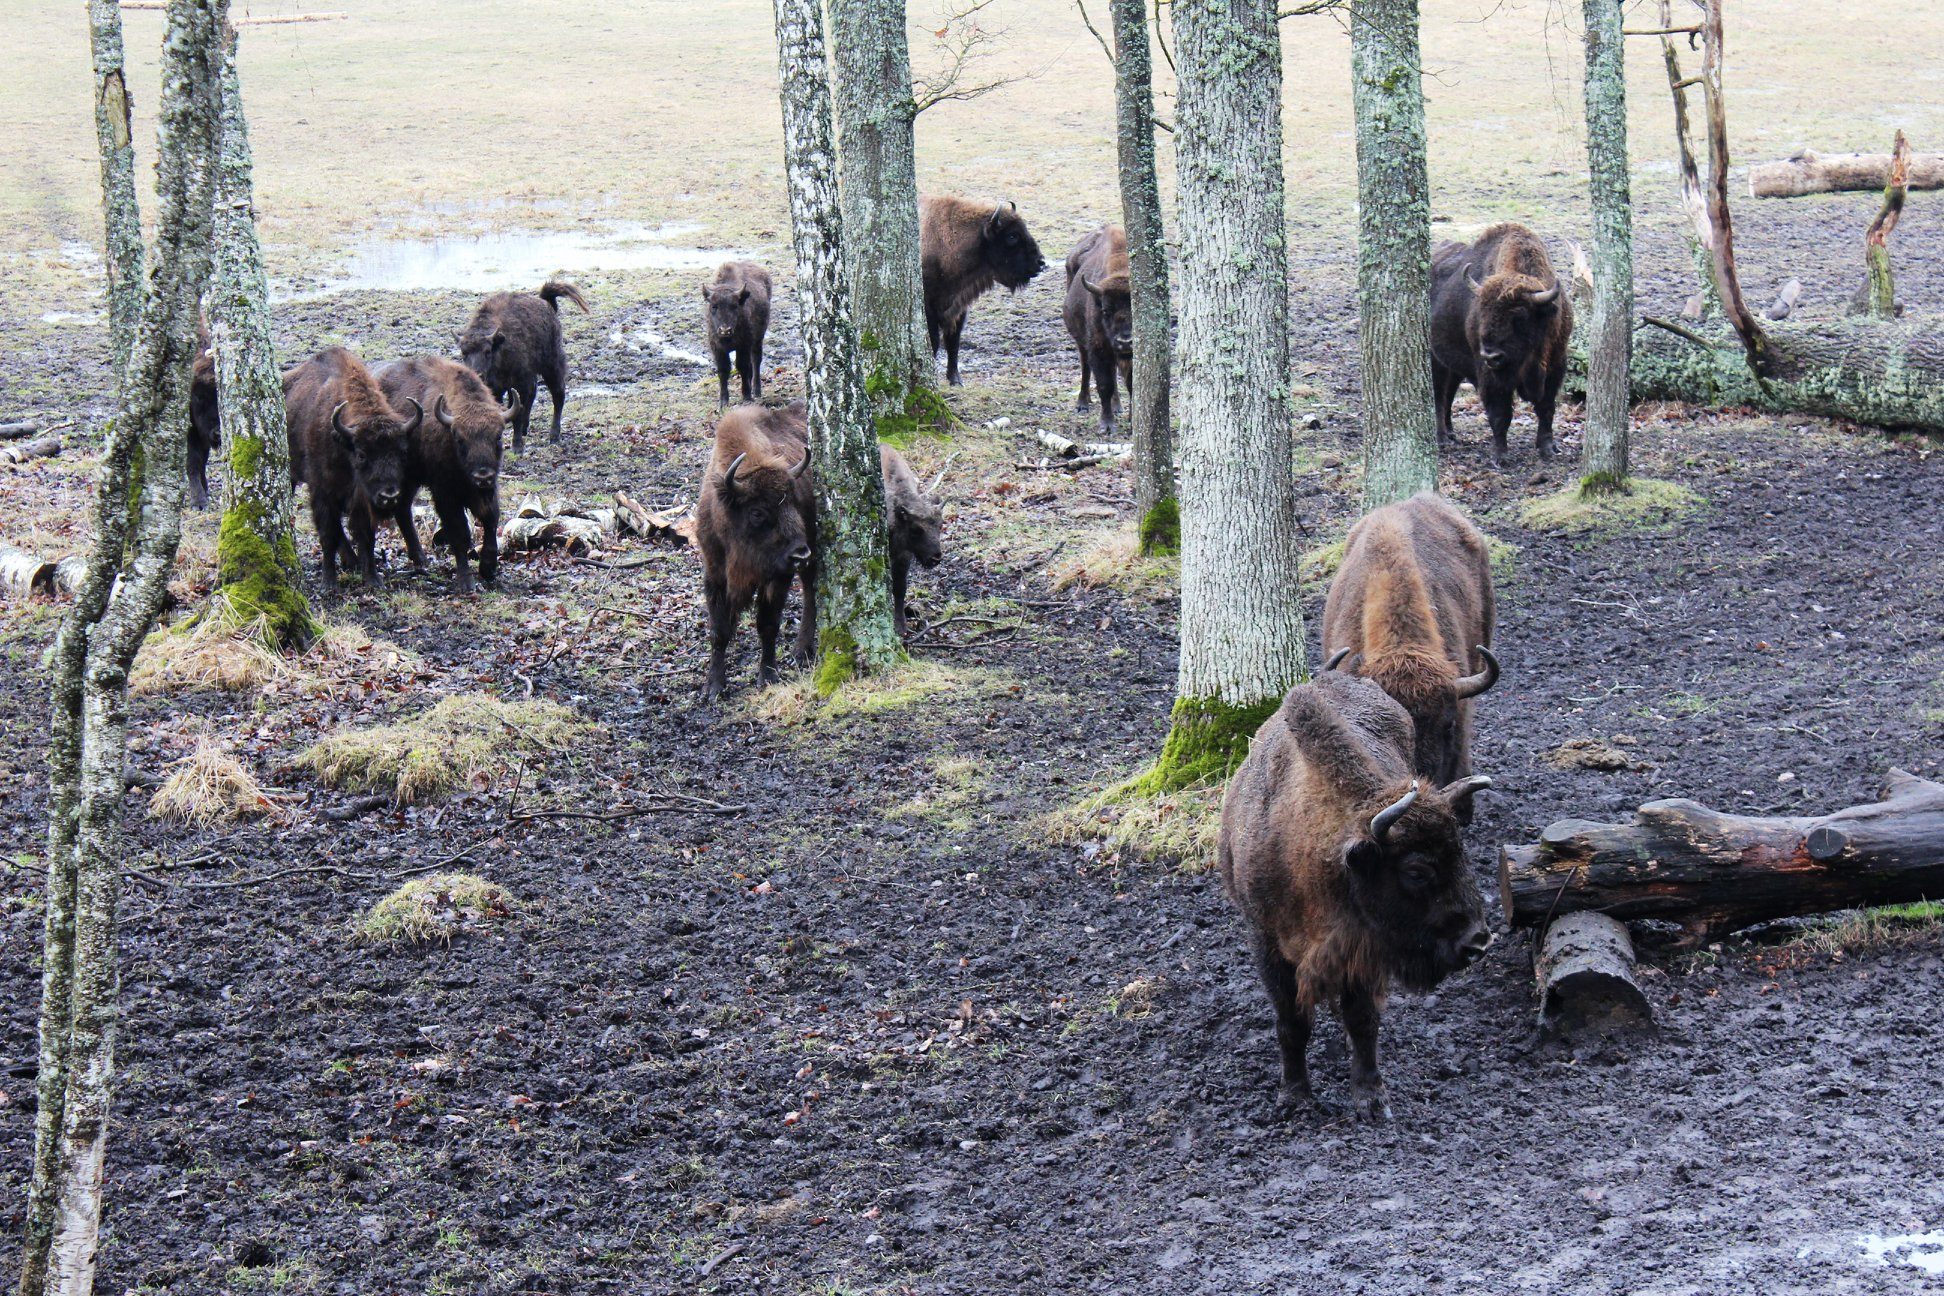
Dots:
{"x": 961, "y": 42}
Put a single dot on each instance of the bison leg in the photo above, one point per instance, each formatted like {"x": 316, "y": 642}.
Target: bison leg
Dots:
{"x": 556, "y": 388}
{"x": 408, "y": 532}
{"x": 954, "y": 331}
{"x": 756, "y": 367}
{"x": 489, "y": 518}
{"x": 1498, "y": 413}
{"x": 364, "y": 534}
{"x": 722, "y": 628}
{"x": 746, "y": 371}
{"x": 806, "y": 644}
{"x": 769, "y": 623}
{"x": 198, "y": 473}
{"x": 1358, "y": 1008}
{"x": 522, "y": 418}
{"x": 330, "y": 537}
{"x": 722, "y": 379}
{"x": 1085, "y": 400}
{"x": 457, "y": 530}
{"x": 900, "y": 572}
{"x": 1109, "y": 393}
{"x": 1294, "y": 1019}
{"x": 1445, "y": 384}
{"x": 1542, "y": 411}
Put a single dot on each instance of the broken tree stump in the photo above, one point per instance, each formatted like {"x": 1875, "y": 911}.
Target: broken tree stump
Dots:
{"x": 1814, "y": 173}
{"x": 1712, "y": 872}
{"x": 1585, "y": 967}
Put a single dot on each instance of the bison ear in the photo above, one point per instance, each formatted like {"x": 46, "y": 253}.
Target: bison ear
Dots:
{"x": 499, "y": 340}
{"x": 742, "y": 296}
{"x": 1363, "y": 859}
{"x": 705, "y": 292}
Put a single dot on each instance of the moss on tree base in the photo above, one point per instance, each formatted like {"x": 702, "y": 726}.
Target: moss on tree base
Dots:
{"x": 1600, "y": 503}
{"x": 256, "y": 581}
{"x": 1207, "y": 739}
{"x": 1160, "y": 531}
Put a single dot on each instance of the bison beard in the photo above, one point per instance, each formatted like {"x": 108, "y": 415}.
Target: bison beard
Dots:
{"x": 964, "y": 249}
{"x": 1500, "y": 321}
{"x": 1100, "y": 316}
{"x": 1347, "y": 869}
{"x": 736, "y": 318}
{"x": 754, "y": 525}
{"x": 514, "y": 343}
{"x": 349, "y": 446}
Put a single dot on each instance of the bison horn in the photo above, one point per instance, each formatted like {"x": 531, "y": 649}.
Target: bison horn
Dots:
{"x": 511, "y": 403}
{"x": 418, "y": 417}
{"x": 1381, "y": 825}
{"x": 1469, "y": 686}
{"x": 337, "y": 420}
{"x": 1336, "y": 659}
{"x": 940, "y": 479}
{"x": 729, "y": 478}
{"x": 1544, "y": 296}
{"x": 1460, "y": 792}
{"x": 797, "y": 471}
{"x": 1471, "y": 277}
{"x": 441, "y": 413}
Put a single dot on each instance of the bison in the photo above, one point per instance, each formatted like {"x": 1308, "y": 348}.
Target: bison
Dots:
{"x": 965, "y": 248}
{"x": 455, "y": 455}
{"x": 514, "y": 342}
{"x": 1348, "y": 870}
{"x": 914, "y": 520}
{"x": 1499, "y": 321}
{"x": 205, "y": 420}
{"x": 737, "y": 317}
{"x": 349, "y": 445}
{"x": 1100, "y": 316}
{"x": 1413, "y": 602}
{"x": 755, "y": 525}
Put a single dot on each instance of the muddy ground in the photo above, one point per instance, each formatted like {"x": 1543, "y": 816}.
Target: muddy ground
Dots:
{"x": 870, "y": 1030}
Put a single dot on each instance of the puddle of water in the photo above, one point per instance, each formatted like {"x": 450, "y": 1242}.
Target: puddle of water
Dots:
{"x": 1924, "y": 1251}
{"x": 643, "y": 338}
{"x": 495, "y": 260}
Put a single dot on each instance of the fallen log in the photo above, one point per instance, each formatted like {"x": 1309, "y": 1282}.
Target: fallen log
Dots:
{"x": 22, "y": 575}
{"x": 1585, "y": 967}
{"x": 1714, "y": 873}
{"x": 1813, "y": 173}
{"x": 19, "y": 428}
{"x": 39, "y": 448}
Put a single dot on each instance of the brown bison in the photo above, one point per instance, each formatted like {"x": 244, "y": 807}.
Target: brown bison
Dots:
{"x": 1413, "y": 600}
{"x": 755, "y": 526}
{"x": 455, "y": 455}
{"x": 737, "y": 317}
{"x": 205, "y": 420}
{"x": 349, "y": 445}
{"x": 1348, "y": 870}
{"x": 914, "y": 519}
{"x": 514, "y": 342}
{"x": 964, "y": 249}
{"x": 1500, "y": 321}
{"x": 1100, "y": 315}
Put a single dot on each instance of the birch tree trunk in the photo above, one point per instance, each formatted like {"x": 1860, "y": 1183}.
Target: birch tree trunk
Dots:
{"x": 1399, "y": 422}
{"x": 1147, "y": 265}
{"x": 1609, "y": 347}
{"x": 120, "y": 595}
{"x": 853, "y": 603}
{"x": 875, "y": 148}
{"x": 114, "y": 136}
{"x": 256, "y": 550}
{"x": 1241, "y": 623}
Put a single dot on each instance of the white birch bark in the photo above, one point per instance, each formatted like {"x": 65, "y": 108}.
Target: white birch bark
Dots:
{"x": 114, "y": 137}
{"x": 1609, "y": 344}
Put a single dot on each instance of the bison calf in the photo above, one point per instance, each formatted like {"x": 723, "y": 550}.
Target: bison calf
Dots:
{"x": 1413, "y": 601}
{"x": 964, "y": 249}
{"x": 914, "y": 519}
{"x": 455, "y": 455}
{"x": 737, "y": 317}
{"x": 1100, "y": 316}
{"x": 755, "y": 525}
{"x": 349, "y": 446}
{"x": 514, "y": 343}
{"x": 1499, "y": 321}
{"x": 1348, "y": 870}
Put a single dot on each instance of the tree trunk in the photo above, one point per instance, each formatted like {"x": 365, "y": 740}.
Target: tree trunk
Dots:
{"x": 120, "y": 208}
{"x": 1683, "y": 862}
{"x": 1694, "y": 199}
{"x": 1814, "y": 173}
{"x": 1399, "y": 421}
{"x": 1609, "y": 347}
{"x": 1585, "y": 967}
{"x": 1147, "y": 264}
{"x": 1727, "y": 280}
{"x": 1880, "y": 284}
{"x": 256, "y": 552}
{"x": 880, "y": 194}
{"x": 117, "y": 603}
{"x": 853, "y": 603}
{"x": 1241, "y": 620}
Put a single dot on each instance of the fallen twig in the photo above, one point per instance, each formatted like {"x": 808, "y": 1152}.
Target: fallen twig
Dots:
{"x": 694, "y": 805}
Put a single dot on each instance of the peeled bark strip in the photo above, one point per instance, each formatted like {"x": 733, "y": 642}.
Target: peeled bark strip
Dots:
{"x": 1399, "y": 423}
{"x": 1609, "y": 347}
{"x": 1685, "y": 863}
{"x": 1585, "y": 967}
{"x": 1694, "y": 200}
{"x": 1880, "y": 287}
{"x": 875, "y": 112}
{"x": 855, "y": 632}
{"x": 1726, "y": 281}
{"x": 1147, "y": 265}
{"x": 1815, "y": 173}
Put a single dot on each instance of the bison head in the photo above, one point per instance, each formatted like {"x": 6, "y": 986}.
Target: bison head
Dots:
{"x": 1514, "y": 314}
{"x": 480, "y": 348}
{"x": 915, "y": 524}
{"x": 724, "y": 309}
{"x": 476, "y": 433}
{"x": 1409, "y": 884}
{"x": 766, "y": 524}
{"x": 1007, "y": 249}
{"x": 377, "y": 444}
{"x": 1116, "y": 305}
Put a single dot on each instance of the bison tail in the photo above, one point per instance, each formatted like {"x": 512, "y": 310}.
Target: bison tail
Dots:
{"x": 554, "y": 289}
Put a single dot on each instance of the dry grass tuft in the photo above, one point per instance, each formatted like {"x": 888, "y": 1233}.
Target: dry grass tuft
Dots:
{"x": 1113, "y": 559}
{"x": 210, "y": 787}
{"x": 795, "y": 700}
{"x": 462, "y": 739}
{"x": 209, "y": 654}
{"x": 434, "y": 908}
{"x": 1181, "y": 827}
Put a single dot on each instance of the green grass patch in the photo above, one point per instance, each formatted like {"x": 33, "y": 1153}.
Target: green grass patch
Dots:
{"x": 1645, "y": 504}
{"x": 1112, "y": 559}
{"x": 803, "y": 700}
{"x": 434, "y": 909}
{"x": 1180, "y": 827}
{"x": 464, "y": 738}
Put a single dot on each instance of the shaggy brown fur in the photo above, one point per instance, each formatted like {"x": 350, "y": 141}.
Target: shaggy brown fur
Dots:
{"x": 1413, "y": 599}
{"x": 965, "y": 248}
{"x": 756, "y": 534}
{"x": 514, "y": 342}
{"x": 1334, "y": 911}
{"x": 1500, "y": 320}
{"x": 455, "y": 455}
{"x": 205, "y": 420}
{"x": 1100, "y": 315}
{"x": 736, "y": 318}
{"x": 348, "y": 444}
{"x": 914, "y": 520}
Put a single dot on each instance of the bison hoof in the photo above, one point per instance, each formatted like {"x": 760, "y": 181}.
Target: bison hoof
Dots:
{"x": 1370, "y": 1103}
{"x": 1082, "y": 405}
{"x": 712, "y": 691}
{"x": 1547, "y": 450}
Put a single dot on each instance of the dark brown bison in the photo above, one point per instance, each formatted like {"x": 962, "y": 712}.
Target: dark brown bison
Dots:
{"x": 1348, "y": 870}
{"x": 755, "y": 526}
{"x": 514, "y": 342}
{"x": 205, "y": 420}
{"x": 914, "y": 519}
{"x": 455, "y": 455}
{"x": 965, "y": 248}
{"x": 349, "y": 445}
{"x": 737, "y": 317}
{"x": 1100, "y": 315}
{"x": 1413, "y": 603}
{"x": 1500, "y": 321}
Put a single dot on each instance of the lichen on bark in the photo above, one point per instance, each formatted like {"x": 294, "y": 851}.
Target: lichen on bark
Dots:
{"x": 1609, "y": 333}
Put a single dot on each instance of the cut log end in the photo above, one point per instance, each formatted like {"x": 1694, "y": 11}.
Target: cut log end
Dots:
{"x": 1586, "y": 978}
